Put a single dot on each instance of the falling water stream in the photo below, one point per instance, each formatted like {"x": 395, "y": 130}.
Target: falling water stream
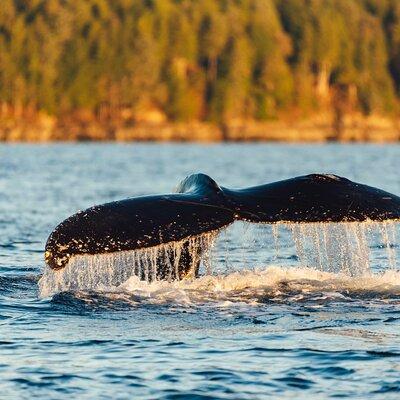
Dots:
{"x": 338, "y": 248}
{"x": 103, "y": 271}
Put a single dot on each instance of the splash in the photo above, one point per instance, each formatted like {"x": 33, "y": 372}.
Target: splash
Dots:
{"x": 269, "y": 283}
{"x": 356, "y": 250}
{"x": 350, "y": 248}
{"x": 100, "y": 271}
{"x": 337, "y": 248}
{"x": 343, "y": 247}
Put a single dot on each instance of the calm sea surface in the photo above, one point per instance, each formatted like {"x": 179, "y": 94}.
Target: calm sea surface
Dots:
{"x": 258, "y": 324}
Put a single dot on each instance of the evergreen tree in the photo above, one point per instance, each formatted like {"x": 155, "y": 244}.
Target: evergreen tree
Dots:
{"x": 197, "y": 59}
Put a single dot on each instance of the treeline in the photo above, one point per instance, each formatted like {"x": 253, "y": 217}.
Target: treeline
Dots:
{"x": 207, "y": 60}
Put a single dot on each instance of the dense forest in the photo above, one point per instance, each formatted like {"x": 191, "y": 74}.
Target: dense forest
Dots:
{"x": 203, "y": 60}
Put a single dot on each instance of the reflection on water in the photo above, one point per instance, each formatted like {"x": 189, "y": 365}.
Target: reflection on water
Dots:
{"x": 282, "y": 311}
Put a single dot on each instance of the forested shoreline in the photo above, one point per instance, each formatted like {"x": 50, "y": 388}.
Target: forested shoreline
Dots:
{"x": 199, "y": 69}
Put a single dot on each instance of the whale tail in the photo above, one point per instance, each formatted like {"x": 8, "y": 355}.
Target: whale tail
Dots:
{"x": 314, "y": 198}
{"x": 201, "y": 205}
{"x": 141, "y": 222}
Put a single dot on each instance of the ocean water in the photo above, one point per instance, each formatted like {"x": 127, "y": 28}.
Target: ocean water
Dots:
{"x": 274, "y": 314}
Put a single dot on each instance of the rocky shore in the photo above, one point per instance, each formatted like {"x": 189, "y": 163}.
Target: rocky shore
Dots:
{"x": 317, "y": 129}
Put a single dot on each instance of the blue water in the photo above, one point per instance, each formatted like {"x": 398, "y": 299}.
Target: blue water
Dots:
{"x": 284, "y": 331}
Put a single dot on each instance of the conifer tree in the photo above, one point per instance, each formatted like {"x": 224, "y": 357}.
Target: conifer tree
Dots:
{"x": 197, "y": 59}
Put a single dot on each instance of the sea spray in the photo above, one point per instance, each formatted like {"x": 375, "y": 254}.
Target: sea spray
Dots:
{"x": 344, "y": 249}
{"x": 101, "y": 271}
{"x": 333, "y": 247}
{"x": 350, "y": 248}
{"x": 270, "y": 284}
{"x": 388, "y": 232}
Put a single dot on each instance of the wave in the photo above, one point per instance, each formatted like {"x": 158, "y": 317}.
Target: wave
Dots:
{"x": 269, "y": 284}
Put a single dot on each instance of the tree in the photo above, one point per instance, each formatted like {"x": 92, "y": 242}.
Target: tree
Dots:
{"x": 197, "y": 59}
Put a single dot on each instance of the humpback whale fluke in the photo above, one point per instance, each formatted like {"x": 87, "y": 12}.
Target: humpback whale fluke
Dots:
{"x": 200, "y": 205}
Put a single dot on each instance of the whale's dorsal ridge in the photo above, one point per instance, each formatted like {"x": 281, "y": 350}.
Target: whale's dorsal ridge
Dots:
{"x": 325, "y": 177}
{"x": 198, "y": 183}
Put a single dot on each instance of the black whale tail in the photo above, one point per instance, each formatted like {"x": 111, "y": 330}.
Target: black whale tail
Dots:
{"x": 201, "y": 205}
{"x": 313, "y": 198}
{"x": 141, "y": 222}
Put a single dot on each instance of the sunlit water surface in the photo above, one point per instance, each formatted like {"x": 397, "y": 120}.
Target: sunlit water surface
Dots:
{"x": 271, "y": 315}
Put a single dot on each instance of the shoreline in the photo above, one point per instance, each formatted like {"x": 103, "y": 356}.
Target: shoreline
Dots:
{"x": 317, "y": 129}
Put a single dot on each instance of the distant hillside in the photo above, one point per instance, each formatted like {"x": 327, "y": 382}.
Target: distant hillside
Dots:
{"x": 119, "y": 64}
